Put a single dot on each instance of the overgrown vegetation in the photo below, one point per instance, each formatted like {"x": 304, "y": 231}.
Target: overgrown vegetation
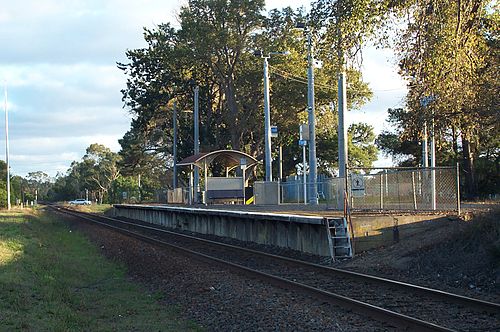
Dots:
{"x": 52, "y": 279}
{"x": 449, "y": 55}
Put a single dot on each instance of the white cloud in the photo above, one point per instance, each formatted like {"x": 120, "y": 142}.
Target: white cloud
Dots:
{"x": 53, "y": 154}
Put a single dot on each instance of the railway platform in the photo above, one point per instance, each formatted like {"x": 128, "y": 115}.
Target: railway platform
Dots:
{"x": 294, "y": 226}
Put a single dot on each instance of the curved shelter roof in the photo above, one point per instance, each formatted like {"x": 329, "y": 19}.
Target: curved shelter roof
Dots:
{"x": 229, "y": 158}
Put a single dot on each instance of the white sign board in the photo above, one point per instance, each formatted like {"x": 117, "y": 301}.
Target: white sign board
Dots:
{"x": 304, "y": 131}
{"x": 223, "y": 183}
{"x": 357, "y": 185}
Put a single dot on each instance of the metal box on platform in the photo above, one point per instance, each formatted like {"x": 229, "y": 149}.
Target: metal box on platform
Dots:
{"x": 266, "y": 192}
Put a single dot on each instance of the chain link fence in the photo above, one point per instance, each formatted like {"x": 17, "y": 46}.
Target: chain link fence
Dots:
{"x": 292, "y": 190}
{"x": 384, "y": 189}
{"x": 395, "y": 188}
{"x": 135, "y": 197}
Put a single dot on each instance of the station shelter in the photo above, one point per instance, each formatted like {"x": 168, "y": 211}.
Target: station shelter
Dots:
{"x": 238, "y": 167}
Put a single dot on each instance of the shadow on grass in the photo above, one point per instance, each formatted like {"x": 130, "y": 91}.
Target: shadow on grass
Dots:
{"x": 53, "y": 279}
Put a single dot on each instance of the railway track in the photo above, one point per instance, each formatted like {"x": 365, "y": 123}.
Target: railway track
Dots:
{"x": 402, "y": 305}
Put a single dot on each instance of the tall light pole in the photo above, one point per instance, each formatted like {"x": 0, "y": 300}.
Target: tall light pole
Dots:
{"x": 425, "y": 153}
{"x": 196, "y": 139}
{"x": 303, "y": 143}
{"x": 311, "y": 117}
{"x": 174, "y": 179}
{"x": 342, "y": 128}
{"x": 341, "y": 108}
{"x": 433, "y": 165}
{"x": 7, "y": 145}
{"x": 267, "y": 113}
{"x": 425, "y": 102}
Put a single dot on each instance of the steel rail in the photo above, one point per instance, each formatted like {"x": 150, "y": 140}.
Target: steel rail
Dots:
{"x": 435, "y": 293}
{"x": 377, "y": 313}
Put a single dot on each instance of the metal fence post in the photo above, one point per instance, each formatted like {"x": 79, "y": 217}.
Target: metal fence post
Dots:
{"x": 386, "y": 183}
{"x": 346, "y": 190}
{"x": 414, "y": 190}
{"x": 458, "y": 188}
{"x": 397, "y": 184}
{"x": 297, "y": 190}
{"x": 381, "y": 191}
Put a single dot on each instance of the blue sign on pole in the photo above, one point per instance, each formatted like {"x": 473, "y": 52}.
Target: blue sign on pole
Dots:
{"x": 274, "y": 131}
{"x": 425, "y": 101}
{"x": 302, "y": 142}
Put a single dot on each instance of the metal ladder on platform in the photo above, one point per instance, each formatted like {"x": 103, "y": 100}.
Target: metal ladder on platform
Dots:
{"x": 339, "y": 238}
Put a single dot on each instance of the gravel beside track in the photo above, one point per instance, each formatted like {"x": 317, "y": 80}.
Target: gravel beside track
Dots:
{"x": 403, "y": 301}
{"x": 441, "y": 313}
{"x": 219, "y": 300}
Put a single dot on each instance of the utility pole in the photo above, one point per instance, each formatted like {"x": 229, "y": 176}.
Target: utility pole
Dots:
{"x": 342, "y": 109}
{"x": 196, "y": 119}
{"x": 425, "y": 102}
{"x": 425, "y": 153}
{"x": 342, "y": 128}
{"x": 174, "y": 180}
{"x": 7, "y": 146}
{"x": 303, "y": 142}
{"x": 139, "y": 186}
{"x": 281, "y": 163}
{"x": 267, "y": 122}
{"x": 313, "y": 167}
{"x": 267, "y": 112}
{"x": 433, "y": 165}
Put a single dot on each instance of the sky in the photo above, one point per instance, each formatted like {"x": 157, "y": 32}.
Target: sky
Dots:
{"x": 58, "y": 64}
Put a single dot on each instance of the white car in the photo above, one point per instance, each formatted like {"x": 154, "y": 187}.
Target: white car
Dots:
{"x": 80, "y": 201}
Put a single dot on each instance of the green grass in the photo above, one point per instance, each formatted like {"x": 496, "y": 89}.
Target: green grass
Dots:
{"x": 52, "y": 279}
{"x": 94, "y": 208}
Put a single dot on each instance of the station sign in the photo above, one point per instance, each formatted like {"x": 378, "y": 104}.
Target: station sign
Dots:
{"x": 243, "y": 163}
{"x": 274, "y": 131}
{"x": 304, "y": 131}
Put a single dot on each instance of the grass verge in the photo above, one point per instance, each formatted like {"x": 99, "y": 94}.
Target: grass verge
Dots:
{"x": 52, "y": 279}
{"x": 94, "y": 208}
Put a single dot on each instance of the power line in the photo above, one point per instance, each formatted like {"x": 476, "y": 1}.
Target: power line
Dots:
{"x": 298, "y": 79}
{"x": 287, "y": 75}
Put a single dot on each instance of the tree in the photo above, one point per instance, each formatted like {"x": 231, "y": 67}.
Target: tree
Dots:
{"x": 38, "y": 184}
{"x": 213, "y": 49}
{"x": 99, "y": 167}
{"x": 449, "y": 54}
{"x": 65, "y": 187}
{"x": 362, "y": 150}
{"x": 218, "y": 34}
{"x": 93, "y": 175}
{"x": 3, "y": 184}
{"x": 404, "y": 148}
